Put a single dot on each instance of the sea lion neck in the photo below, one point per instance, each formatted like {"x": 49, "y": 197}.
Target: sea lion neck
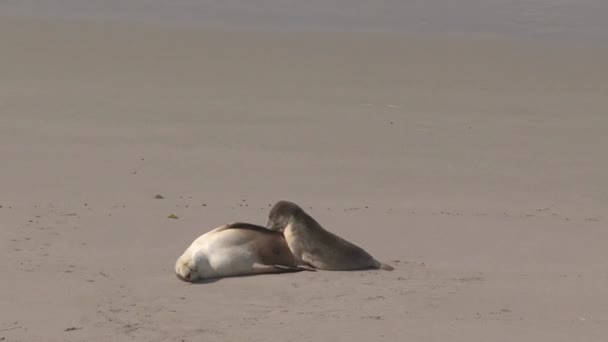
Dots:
{"x": 303, "y": 217}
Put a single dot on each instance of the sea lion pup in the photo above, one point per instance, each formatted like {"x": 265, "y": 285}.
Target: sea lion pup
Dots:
{"x": 315, "y": 246}
{"x": 235, "y": 249}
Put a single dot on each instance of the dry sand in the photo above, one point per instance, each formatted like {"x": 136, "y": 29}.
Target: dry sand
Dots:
{"x": 476, "y": 167}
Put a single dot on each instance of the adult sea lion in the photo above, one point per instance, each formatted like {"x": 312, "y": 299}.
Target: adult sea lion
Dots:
{"x": 315, "y": 246}
{"x": 235, "y": 249}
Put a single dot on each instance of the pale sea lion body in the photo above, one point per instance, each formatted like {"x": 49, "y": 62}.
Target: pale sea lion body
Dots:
{"x": 311, "y": 244}
{"x": 235, "y": 249}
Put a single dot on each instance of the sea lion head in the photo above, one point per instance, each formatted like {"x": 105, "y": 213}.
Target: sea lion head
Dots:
{"x": 185, "y": 269}
{"x": 281, "y": 214}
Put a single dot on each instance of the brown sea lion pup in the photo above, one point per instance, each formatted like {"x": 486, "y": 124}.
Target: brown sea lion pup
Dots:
{"x": 235, "y": 249}
{"x": 315, "y": 246}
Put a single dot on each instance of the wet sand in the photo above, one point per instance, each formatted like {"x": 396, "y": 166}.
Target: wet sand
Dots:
{"x": 475, "y": 166}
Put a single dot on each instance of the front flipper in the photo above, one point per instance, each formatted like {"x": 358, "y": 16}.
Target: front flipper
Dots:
{"x": 307, "y": 267}
{"x": 261, "y": 268}
{"x": 291, "y": 268}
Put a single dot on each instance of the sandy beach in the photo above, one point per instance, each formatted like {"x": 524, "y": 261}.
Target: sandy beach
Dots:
{"x": 475, "y": 166}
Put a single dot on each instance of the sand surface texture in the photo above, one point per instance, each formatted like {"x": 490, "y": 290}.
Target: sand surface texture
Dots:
{"x": 475, "y": 166}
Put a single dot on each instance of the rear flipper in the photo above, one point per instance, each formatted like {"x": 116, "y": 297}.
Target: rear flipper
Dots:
{"x": 382, "y": 266}
{"x": 386, "y": 267}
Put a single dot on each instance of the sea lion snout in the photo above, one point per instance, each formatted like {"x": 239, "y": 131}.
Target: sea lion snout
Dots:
{"x": 185, "y": 272}
{"x": 184, "y": 277}
{"x": 275, "y": 225}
